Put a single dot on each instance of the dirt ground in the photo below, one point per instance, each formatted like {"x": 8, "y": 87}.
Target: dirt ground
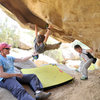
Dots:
{"x": 75, "y": 90}
{"x": 78, "y": 89}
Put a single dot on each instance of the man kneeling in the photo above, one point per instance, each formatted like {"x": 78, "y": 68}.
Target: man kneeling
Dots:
{"x": 12, "y": 81}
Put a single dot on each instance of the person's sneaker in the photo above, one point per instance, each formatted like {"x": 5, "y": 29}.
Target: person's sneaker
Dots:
{"x": 84, "y": 78}
{"x": 42, "y": 95}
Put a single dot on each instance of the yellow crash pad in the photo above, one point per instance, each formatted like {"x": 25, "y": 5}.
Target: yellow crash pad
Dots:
{"x": 49, "y": 75}
{"x": 92, "y": 67}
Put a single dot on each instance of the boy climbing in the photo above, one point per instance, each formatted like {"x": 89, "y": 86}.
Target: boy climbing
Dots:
{"x": 86, "y": 60}
{"x": 40, "y": 45}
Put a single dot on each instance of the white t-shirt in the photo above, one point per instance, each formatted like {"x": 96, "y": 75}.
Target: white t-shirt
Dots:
{"x": 83, "y": 56}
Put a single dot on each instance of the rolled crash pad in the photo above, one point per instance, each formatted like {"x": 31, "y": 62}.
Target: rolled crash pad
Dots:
{"x": 49, "y": 75}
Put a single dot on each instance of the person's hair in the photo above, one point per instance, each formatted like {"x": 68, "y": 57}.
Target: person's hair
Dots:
{"x": 40, "y": 38}
{"x": 77, "y": 46}
{"x": 42, "y": 32}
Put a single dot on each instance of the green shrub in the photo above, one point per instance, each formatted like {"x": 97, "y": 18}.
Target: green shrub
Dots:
{"x": 8, "y": 34}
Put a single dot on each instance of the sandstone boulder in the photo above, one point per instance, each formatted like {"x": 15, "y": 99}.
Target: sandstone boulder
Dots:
{"x": 71, "y": 19}
{"x": 6, "y": 95}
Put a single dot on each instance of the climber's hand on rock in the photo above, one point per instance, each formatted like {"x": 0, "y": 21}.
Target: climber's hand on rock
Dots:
{"x": 50, "y": 27}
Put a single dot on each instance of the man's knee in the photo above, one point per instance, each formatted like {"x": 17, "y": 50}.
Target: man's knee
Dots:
{"x": 34, "y": 76}
{"x": 31, "y": 76}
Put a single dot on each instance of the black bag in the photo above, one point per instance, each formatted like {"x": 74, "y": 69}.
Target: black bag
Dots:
{"x": 90, "y": 56}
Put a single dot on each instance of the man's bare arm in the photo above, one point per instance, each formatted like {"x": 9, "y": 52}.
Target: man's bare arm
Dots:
{"x": 47, "y": 34}
{"x": 36, "y": 31}
{"x": 23, "y": 59}
{"x": 89, "y": 50}
{"x": 8, "y": 75}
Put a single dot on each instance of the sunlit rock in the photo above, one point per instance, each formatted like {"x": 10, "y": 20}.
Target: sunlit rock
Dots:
{"x": 71, "y": 19}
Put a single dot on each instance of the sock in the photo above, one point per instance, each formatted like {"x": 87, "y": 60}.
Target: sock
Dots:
{"x": 37, "y": 91}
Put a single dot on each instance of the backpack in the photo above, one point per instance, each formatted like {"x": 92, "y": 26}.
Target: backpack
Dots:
{"x": 90, "y": 56}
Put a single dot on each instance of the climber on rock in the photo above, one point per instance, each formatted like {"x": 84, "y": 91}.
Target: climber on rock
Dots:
{"x": 86, "y": 60}
{"x": 40, "y": 45}
{"x": 12, "y": 81}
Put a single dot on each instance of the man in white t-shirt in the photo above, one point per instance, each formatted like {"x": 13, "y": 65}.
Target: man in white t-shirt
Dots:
{"x": 85, "y": 61}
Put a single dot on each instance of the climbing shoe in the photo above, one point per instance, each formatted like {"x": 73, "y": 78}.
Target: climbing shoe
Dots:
{"x": 42, "y": 95}
{"x": 84, "y": 78}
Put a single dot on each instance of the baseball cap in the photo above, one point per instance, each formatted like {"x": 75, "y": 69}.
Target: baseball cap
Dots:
{"x": 4, "y": 45}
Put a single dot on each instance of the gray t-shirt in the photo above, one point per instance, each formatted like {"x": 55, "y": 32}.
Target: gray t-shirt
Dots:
{"x": 39, "y": 48}
{"x": 83, "y": 56}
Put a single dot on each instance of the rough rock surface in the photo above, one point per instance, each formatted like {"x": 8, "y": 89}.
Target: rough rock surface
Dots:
{"x": 6, "y": 95}
{"x": 71, "y": 19}
{"x": 26, "y": 64}
{"x": 25, "y": 41}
